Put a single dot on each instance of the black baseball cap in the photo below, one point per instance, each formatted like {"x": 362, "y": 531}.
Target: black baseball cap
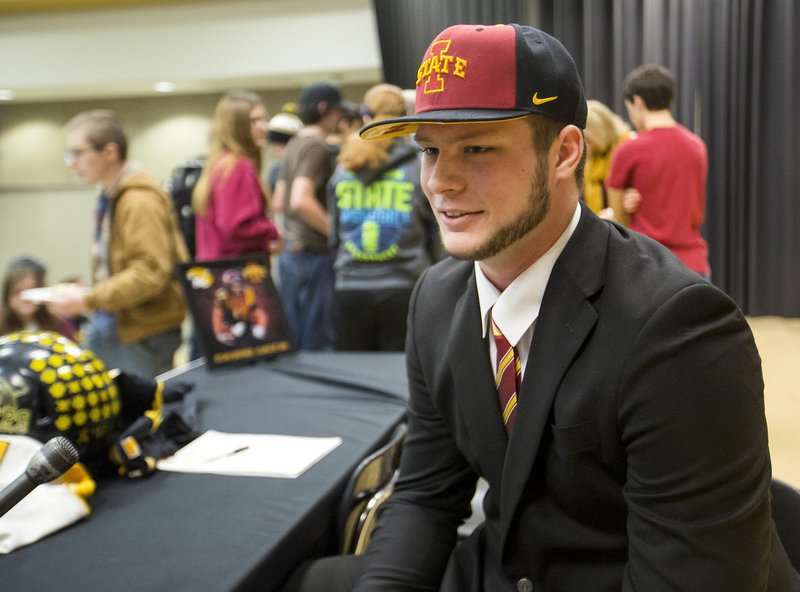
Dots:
{"x": 484, "y": 73}
{"x": 318, "y": 92}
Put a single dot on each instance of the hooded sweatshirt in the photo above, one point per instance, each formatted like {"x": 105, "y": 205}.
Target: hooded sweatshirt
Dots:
{"x": 144, "y": 246}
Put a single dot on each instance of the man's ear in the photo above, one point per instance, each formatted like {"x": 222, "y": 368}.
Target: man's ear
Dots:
{"x": 569, "y": 151}
{"x": 111, "y": 152}
{"x": 638, "y": 102}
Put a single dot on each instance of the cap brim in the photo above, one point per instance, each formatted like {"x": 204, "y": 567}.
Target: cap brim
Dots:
{"x": 402, "y": 126}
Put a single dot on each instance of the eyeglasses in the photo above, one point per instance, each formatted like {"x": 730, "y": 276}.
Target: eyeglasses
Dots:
{"x": 70, "y": 156}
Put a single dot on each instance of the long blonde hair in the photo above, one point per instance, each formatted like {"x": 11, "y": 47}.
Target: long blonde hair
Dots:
{"x": 230, "y": 135}
{"x": 383, "y": 101}
{"x": 604, "y": 127}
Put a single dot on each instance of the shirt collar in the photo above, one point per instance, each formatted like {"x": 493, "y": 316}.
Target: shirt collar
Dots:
{"x": 112, "y": 192}
{"x": 517, "y": 307}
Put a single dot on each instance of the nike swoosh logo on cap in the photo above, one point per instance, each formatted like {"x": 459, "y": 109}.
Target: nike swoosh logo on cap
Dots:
{"x": 537, "y": 101}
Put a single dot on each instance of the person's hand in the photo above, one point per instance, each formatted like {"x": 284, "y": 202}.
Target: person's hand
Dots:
{"x": 606, "y": 214}
{"x": 275, "y": 246}
{"x": 631, "y": 200}
{"x": 67, "y": 301}
{"x": 238, "y": 329}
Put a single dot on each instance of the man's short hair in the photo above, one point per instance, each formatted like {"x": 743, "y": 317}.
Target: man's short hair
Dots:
{"x": 102, "y": 126}
{"x": 544, "y": 131}
{"x": 653, "y": 83}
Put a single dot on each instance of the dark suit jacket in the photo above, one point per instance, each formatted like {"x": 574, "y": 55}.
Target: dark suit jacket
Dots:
{"x": 639, "y": 456}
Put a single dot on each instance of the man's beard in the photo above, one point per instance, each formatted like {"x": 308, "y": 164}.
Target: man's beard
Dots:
{"x": 539, "y": 202}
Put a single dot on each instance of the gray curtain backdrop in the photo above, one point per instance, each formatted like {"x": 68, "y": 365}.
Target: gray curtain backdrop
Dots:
{"x": 737, "y": 68}
{"x": 406, "y": 28}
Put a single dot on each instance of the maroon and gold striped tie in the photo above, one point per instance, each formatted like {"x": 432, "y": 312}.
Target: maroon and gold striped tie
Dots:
{"x": 508, "y": 377}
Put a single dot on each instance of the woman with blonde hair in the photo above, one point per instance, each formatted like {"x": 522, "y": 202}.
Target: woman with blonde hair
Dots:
{"x": 229, "y": 200}
{"x": 605, "y": 130}
{"x": 382, "y": 229}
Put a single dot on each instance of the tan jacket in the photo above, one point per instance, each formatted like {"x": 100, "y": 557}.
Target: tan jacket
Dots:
{"x": 145, "y": 244}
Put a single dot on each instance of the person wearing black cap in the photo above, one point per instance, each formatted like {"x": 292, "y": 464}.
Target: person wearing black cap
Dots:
{"x": 611, "y": 398}
{"x": 305, "y": 265}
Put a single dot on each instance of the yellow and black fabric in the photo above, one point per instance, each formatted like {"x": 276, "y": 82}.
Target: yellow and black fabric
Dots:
{"x": 159, "y": 419}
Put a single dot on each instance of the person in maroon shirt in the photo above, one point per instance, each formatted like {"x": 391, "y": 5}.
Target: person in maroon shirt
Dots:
{"x": 667, "y": 165}
{"x": 229, "y": 199}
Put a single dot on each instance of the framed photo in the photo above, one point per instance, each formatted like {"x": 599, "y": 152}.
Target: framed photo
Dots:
{"x": 236, "y": 311}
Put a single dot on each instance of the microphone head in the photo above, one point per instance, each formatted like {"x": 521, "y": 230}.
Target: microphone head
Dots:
{"x": 52, "y": 460}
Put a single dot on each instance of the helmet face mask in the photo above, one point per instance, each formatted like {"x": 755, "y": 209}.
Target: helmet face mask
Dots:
{"x": 50, "y": 386}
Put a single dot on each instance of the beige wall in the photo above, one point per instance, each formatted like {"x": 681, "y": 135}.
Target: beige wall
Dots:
{"x": 202, "y": 47}
{"x": 46, "y": 211}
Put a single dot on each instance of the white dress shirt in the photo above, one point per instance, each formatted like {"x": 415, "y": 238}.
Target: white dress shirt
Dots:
{"x": 516, "y": 309}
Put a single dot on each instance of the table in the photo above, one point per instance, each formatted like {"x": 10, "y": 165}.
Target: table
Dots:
{"x": 177, "y": 531}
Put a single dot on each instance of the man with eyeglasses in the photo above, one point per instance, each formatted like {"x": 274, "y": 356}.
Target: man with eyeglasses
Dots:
{"x": 135, "y": 304}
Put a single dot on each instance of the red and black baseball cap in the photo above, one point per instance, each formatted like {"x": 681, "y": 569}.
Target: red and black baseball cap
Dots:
{"x": 485, "y": 73}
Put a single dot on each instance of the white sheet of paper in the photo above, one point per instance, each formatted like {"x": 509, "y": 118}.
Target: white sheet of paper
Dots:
{"x": 254, "y": 455}
{"x": 52, "y": 293}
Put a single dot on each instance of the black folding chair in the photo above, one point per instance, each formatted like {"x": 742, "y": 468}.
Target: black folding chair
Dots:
{"x": 786, "y": 515}
{"x": 369, "y": 486}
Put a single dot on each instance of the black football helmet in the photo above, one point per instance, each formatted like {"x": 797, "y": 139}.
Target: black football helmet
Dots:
{"x": 50, "y": 386}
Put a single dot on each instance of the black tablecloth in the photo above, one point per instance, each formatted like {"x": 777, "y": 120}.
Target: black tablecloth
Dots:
{"x": 177, "y": 531}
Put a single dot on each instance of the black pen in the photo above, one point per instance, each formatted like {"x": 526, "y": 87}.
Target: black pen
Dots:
{"x": 221, "y": 456}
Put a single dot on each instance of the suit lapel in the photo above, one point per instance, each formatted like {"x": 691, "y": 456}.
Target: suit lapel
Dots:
{"x": 565, "y": 321}
{"x": 473, "y": 384}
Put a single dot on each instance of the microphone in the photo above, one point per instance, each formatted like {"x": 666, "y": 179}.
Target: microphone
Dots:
{"x": 49, "y": 462}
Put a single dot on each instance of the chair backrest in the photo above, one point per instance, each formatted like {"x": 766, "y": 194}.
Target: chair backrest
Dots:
{"x": 786, "y": 515}
{"x": 367, "y": 519}
{"x": 371, "y": 476}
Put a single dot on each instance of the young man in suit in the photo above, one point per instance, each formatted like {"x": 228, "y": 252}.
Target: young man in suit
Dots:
{"x": 628, "y": 451}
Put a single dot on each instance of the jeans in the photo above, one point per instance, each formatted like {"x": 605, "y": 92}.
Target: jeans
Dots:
{"x": 146, "y": 358}
{"x": 307, "y": 297}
